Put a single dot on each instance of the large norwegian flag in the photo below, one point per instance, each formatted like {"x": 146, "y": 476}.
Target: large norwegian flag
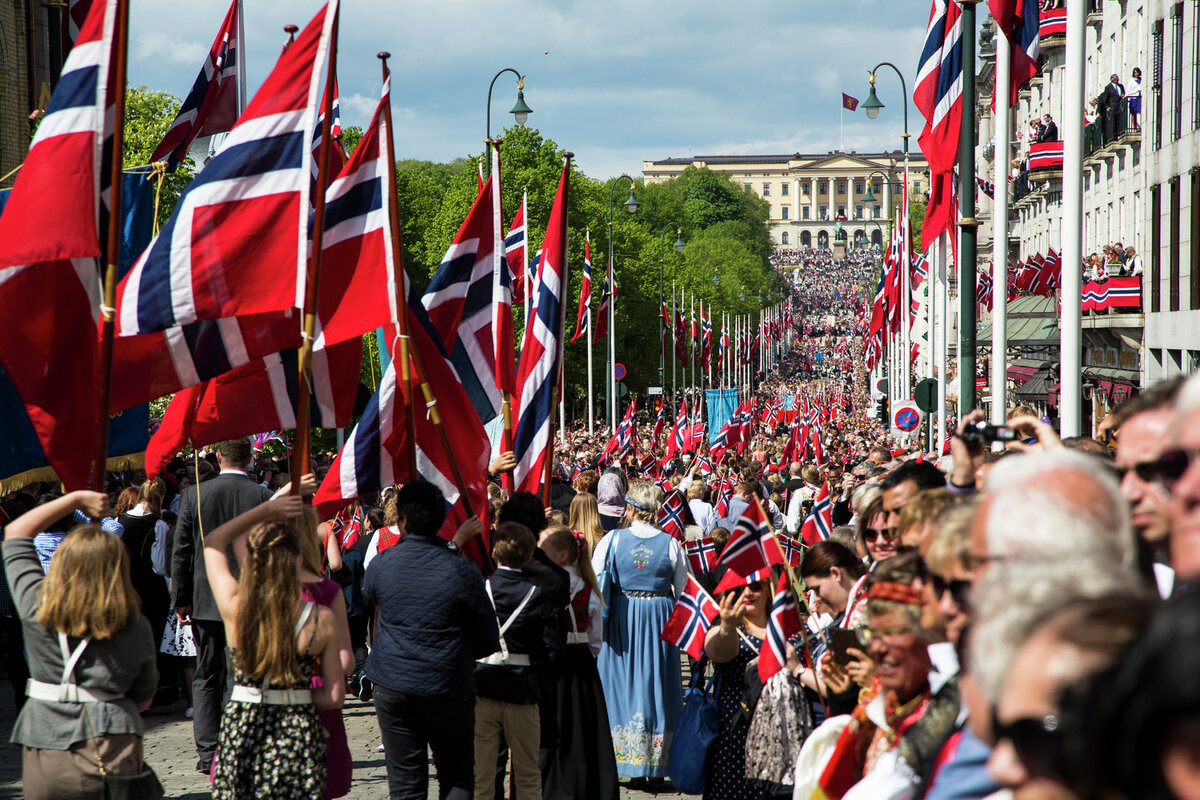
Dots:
{"x": 539, "y": 374}
{"x": 585, "y": 291}
{"x": 678, "y": 442}
{"x": 460, "y": 301}
{"x": 606, "y": 296}
{"x": 938, "y": 93}
{"x": 356, "y": 295}
{"x": 236, "y": 243}
{"x": 337, "y": 154}
{"x": 212, "y": 104}
{"x": 819, "y": 522}
{"x": 751, "y": 544}
{"x": 1018, "y": 21}
{"x": 49, "y": 244}
{"x": 622, "y": 441}
{"x": 691, "y": 619}
{"x": 783, "y": 623}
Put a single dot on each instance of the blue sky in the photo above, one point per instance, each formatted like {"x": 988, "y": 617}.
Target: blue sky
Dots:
{"x": 616, "y": 81}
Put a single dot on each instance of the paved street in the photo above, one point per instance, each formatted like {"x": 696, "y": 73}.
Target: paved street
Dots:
{"x": 170, "y": 751}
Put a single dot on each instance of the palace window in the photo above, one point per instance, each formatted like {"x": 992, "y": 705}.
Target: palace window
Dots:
{"x": 783, "y": 212}
{"x": 804, "y": 212}
{"x": 766, "y": 189}
{"x": 841, "y": 187}
{"x": 783, "y": 188}
{"x": 783, "y": 237}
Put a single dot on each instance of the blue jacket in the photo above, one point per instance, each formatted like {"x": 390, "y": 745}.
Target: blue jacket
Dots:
{"x": 434, "y": 619}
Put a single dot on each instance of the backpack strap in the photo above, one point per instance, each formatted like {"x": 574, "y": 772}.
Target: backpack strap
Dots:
{"x": 504, "y": 626}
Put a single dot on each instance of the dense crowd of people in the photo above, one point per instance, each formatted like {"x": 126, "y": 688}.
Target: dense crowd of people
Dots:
{"x": 991, "y": 619}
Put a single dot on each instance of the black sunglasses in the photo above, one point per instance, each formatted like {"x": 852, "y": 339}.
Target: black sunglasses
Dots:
{"x": 960, "y": 590}
{"x": 1146, "y": 471}
{"x": 1171, "y": 465}
{"x": 1039, "y": 742}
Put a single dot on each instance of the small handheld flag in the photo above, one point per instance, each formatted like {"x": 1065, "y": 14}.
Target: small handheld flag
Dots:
{"x": 691, "y": 619}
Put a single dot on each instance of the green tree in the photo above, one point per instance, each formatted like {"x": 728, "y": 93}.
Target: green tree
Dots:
{"x": 148, "y": 117}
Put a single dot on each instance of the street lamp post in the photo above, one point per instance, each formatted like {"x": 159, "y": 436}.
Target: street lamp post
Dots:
{"x": 520, "y": 110}
{"x": 662, "y": 326}
{"x": 871, "y": 106}
{"x": 631, "y": 206}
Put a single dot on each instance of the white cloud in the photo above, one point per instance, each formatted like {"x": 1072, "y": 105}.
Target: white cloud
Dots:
{"x": 158, "y": 46}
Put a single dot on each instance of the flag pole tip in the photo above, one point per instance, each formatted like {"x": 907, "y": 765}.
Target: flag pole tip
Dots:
{"x": 291, "y": 29}
{"x": 383, "y": 55}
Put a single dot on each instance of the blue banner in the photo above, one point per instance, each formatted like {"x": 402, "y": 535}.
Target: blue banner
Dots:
{"x": 721, "y": 405}
{"x": 129, "y": 430}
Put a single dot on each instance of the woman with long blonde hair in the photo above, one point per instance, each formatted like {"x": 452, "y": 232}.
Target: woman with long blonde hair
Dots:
{"x": 90, "y": 653}
{"x": 272, "y": 741}
{"x": 585, "y": 518}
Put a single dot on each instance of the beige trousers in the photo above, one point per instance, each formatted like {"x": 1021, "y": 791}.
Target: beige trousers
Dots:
{"x": 522, "y": 728}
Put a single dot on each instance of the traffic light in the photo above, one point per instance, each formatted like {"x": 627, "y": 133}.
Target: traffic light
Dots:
{"x": 883, "y": 410}
{"x": 658, "y": 405}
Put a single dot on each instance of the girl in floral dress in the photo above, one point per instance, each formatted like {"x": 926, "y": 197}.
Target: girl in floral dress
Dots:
{"x": 272, "y": 742}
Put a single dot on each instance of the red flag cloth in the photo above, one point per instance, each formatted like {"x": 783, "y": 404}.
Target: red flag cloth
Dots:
{"x": 212, "y": 104}
{"x": 585, "y": 291}
{"x": 702, "y": 554}
{"x": 671, "y": 515}
{"x": 849, "y": 103}
{"x": 940, "y": 211}
{"x": 691, "y": 619}
{"x": 783, "y": 622}
{"x": 49, "y": 241}
{"x": 732, "y": 580}
{"x": 751, "y": 545}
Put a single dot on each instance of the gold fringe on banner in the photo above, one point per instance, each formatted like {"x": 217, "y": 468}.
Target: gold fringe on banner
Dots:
{"x": 47, "y": 474}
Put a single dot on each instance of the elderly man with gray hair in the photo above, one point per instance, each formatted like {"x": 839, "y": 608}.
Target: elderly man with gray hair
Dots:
{"x": 1180, "y": 474}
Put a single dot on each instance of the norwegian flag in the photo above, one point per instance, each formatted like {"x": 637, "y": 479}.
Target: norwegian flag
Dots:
{"x": 691, "y": 619}
{"x": 49, "y": 242}
{"x": 1018, "y": 21}
{"x": 601, "y": 326}
{"x": 818, "y": 451}
{"x": 622, "y": 441}
{"x": 337, "y": 154}
{"x": 702, "y": 555}
{"x": 72, "y": 23}
{"x": 732, "y": 580}
{"x": 819, "y": 522}
{"x": 516, "y": 253}
{"x": 987, "y": 187}
{"x": 670, "y": 515}
{"x": 461, "y": 302}
{"x": 352, "y": 531}
{"x": 584, "y": 314}
{"x": 375, "y": 453}
{"x": 660, "y": 422}
{"x": 751, "y": 544}
{"x": 920, "y": 268}
{"x": 539, "y": 377}
{"x": 236, "y": 242}
{"x": 679, "y": 432}
{"x": 783, "y": 622}
{"x": 724, "y": 497}
{"x": 706, "y": 326}
{"x": 983, "y": 290}
{"x": 938, "y": 92}
{"x": 502, "y": 318}
{"x": 647, "y": 467}
{"x": 704, "y": 463}
{"x": 212, "y": 104}
{"x": 663, "y": 328}
{"x": 356, "y": 295}
{"x": 793, "y": 551}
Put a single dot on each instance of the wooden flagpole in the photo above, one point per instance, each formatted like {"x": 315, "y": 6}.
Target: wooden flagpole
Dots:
{"x": 402, "y": 330}
{"x": 113, "y": 248}
{"x": 401, "y": 301}
{"x": 303, "y": 443}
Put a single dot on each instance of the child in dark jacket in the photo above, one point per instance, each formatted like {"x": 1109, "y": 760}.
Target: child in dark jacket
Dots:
{"x": 506, "y": 682}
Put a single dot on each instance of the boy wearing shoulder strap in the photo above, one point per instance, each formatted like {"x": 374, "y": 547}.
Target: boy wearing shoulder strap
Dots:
{"x": 506, "y": 682}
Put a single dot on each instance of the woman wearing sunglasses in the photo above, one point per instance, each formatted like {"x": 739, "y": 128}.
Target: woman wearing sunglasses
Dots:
{"x": 874, "y": 533}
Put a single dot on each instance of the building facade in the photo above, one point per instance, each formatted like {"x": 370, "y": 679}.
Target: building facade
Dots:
{"x": 814, "y": 197}
{"x": 1141, "y": 187}
{"x": 30, "y": 60}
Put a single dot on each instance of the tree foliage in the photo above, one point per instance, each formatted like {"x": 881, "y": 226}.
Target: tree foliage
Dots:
{"x": 148, "y": 117}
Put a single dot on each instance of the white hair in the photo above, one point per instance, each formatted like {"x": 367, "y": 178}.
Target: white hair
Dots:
{"x": 1011, "y": 597}
{"x": 1189, "y": 398}
{"x": 1039, "y": 504}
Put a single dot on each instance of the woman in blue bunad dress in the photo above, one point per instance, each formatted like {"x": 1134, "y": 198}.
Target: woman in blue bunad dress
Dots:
{"x": 640, "y": 673}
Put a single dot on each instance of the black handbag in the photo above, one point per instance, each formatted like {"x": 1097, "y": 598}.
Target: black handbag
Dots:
{"x": 142, "y": 786}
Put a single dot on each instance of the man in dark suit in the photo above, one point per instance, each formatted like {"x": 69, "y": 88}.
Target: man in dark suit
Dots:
{"x": 1110, "y": 100}
{"x": 221, "y": 499}
{"x": 1049, "y": 130}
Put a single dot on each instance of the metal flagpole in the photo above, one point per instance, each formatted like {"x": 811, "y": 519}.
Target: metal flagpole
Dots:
{"x": 943, "y": 343}
{"x": 1071, "y": 354}
{"x": 1000, "y": 235}
{"x": 612, "y": 337}
{"x": 674, "y": 347}
{"x": 692, "y": 336}
{"x": 591, "y": 400}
